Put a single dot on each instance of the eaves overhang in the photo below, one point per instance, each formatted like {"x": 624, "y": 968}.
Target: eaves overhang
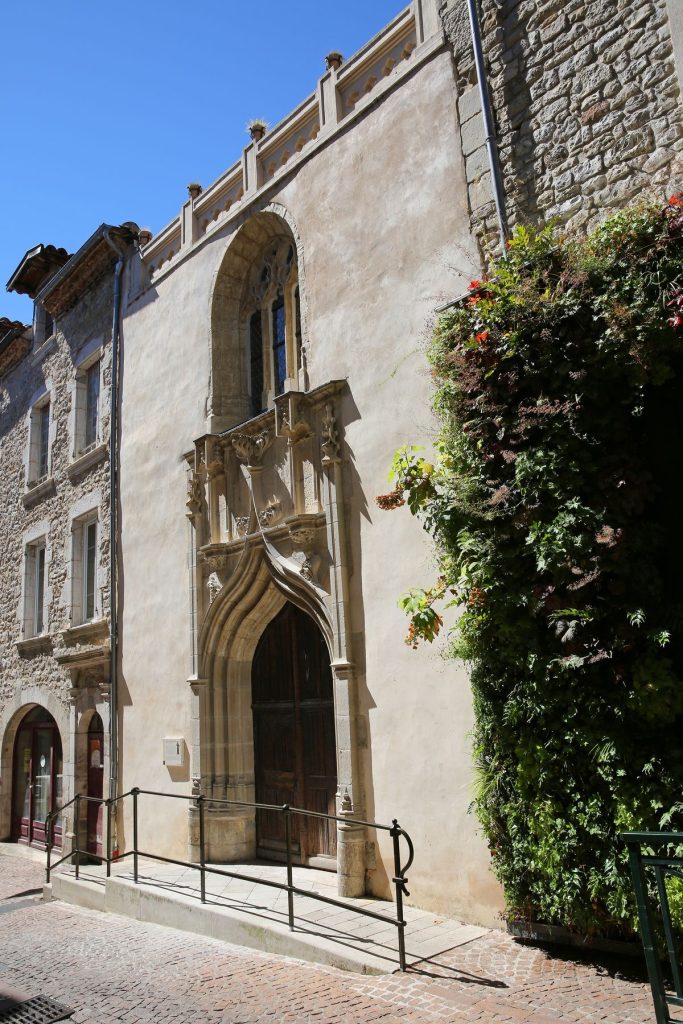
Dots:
{"x": 15, "y": 342}
{"x": 86, "y": 267}
{"x": 37, "y": 266}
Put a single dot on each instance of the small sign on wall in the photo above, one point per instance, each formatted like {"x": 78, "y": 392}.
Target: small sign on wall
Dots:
{"x": 174, "y": 751}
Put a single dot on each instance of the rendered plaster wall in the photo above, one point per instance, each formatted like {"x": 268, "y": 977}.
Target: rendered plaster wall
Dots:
{"x": 34, "y": 676}
{"x": 381, "y": 212}
{"x": 586, "y": 100}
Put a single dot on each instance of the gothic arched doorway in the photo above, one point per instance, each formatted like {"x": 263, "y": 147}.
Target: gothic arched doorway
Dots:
{"x": 294, "y": 738}
{"x": 37, "y": 778}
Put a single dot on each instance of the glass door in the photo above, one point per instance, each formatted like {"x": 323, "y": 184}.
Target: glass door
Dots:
{"x": 37, "y": 778}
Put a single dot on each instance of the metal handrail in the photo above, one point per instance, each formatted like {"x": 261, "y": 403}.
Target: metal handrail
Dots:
{"x": 399, "y": 879}
{"x": 663, "y": 865}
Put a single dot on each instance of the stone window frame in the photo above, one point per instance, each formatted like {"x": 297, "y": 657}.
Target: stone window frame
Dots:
{"x": 33, "y": 541}
{"x": 81, "y": 444}
{"x": 79, "y": 581}
{"x": 82, "y": 455}
{"x": 40, "y": 440}
{"x": 35, "y": 587}
{"x": 274, "y": 275}
{"x": 44, "y": 325}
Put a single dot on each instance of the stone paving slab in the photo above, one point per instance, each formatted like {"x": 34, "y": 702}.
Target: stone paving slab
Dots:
{"x": 116, "y": 970}
{"x": 255, "y": 914}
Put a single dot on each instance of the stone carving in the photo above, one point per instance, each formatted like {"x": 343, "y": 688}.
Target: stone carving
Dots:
{"x": 214, "y": 557}
{"x": 304, "y": 556}
{"x": 330, "y": 436}
{"x": 271, "y": 513}
{"x": 215, "y": 586}
{"x": 251, "y": 448}
{"x": 215, "y": 466}
{"x": 194, "y": 495}
{"x": 294, "y": 431}
{"x": 346, "y": 806}
{"x": 242, "y": 525}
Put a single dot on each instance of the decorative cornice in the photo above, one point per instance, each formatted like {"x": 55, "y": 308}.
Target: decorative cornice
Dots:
{"x": 86, "y": 633}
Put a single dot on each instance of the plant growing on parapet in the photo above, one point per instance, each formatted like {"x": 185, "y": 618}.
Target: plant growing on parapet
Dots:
{"x": 555, "y": 502}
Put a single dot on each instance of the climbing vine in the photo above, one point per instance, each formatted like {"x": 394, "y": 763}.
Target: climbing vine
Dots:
{"x": 555, "y": 498}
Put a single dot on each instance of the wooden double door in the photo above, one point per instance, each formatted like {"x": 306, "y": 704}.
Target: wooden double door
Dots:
{"x": 294, "y": 737}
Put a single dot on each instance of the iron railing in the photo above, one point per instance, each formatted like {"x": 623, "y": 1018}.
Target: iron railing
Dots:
{"x": 650, "y": 850}
{"x": 399, "y": 879}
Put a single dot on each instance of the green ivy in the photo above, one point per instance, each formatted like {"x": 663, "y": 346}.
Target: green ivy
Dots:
{"x": 556, "y": 502}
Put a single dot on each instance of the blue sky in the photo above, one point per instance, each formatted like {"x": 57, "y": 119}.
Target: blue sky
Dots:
{"x": 109, "y": 110}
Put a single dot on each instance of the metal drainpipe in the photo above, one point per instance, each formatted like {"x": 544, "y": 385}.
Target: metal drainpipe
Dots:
{"x": 113, "y": 499}
{"x": 491, "y": 146}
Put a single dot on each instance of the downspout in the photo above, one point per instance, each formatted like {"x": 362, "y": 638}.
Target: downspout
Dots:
{"x": 113, "y": 523}
{"x": 491, "y": 146}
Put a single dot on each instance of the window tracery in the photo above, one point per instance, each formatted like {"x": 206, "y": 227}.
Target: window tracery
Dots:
{"x": 271, "y": 314}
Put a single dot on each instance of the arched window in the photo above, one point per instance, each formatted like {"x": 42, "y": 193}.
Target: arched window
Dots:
{"x": 257, "y": 310}
{"x": 272, "y": 314}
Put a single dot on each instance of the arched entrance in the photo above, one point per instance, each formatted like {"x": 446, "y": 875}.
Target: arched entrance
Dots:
{"x": 37, "y": 778}
{"x": 95, "y": 785}
{"x": 294, "y": 737}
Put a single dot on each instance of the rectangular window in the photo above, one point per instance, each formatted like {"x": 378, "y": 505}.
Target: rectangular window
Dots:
{"x": 34, "y": 590}
{"x": 92, "y": 402}
{"x": 87, "y": 408}
{"x": 89, "y": 565}
{"x": 43, "y": 439}
{"x": 39, "y": 443}
{"x": 84, "y": 604}
{"x": 40, "y": 587}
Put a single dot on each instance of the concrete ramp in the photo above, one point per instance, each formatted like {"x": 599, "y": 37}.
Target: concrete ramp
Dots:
{"x": 255, "y": 915}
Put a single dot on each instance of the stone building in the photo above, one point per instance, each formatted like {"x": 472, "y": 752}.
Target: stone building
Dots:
{"x": 54, "y": 480}
{"x": 271, "y": 363}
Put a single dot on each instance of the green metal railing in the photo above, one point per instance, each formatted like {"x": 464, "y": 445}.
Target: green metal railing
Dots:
{"x": 648, "y": 852}
{"x": 395, "y": 831}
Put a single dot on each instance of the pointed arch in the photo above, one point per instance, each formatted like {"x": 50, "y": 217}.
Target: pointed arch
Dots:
{"x": 262, "y": 267}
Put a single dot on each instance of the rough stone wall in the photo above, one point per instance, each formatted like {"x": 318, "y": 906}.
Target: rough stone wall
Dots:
{"x": 586, "y": 100}
{"x": 37, "y": 672}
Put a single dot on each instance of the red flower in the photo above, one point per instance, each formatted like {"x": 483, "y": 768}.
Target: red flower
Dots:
{"x": 474, "y": 285}
{"x": 676, "y": 200}
{"x": 482, "y": 336}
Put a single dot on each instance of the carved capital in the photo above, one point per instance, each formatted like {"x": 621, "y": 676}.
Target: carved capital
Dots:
{"x": 215, "y": 467}
{"x": 250, "y": 448}
{"x": 302, "y": 537}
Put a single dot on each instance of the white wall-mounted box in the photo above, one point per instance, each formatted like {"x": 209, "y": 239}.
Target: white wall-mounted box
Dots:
{"x": 174, "y": 751}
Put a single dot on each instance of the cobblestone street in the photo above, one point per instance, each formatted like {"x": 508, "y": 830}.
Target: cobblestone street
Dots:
{"x": 110, "y": 968}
